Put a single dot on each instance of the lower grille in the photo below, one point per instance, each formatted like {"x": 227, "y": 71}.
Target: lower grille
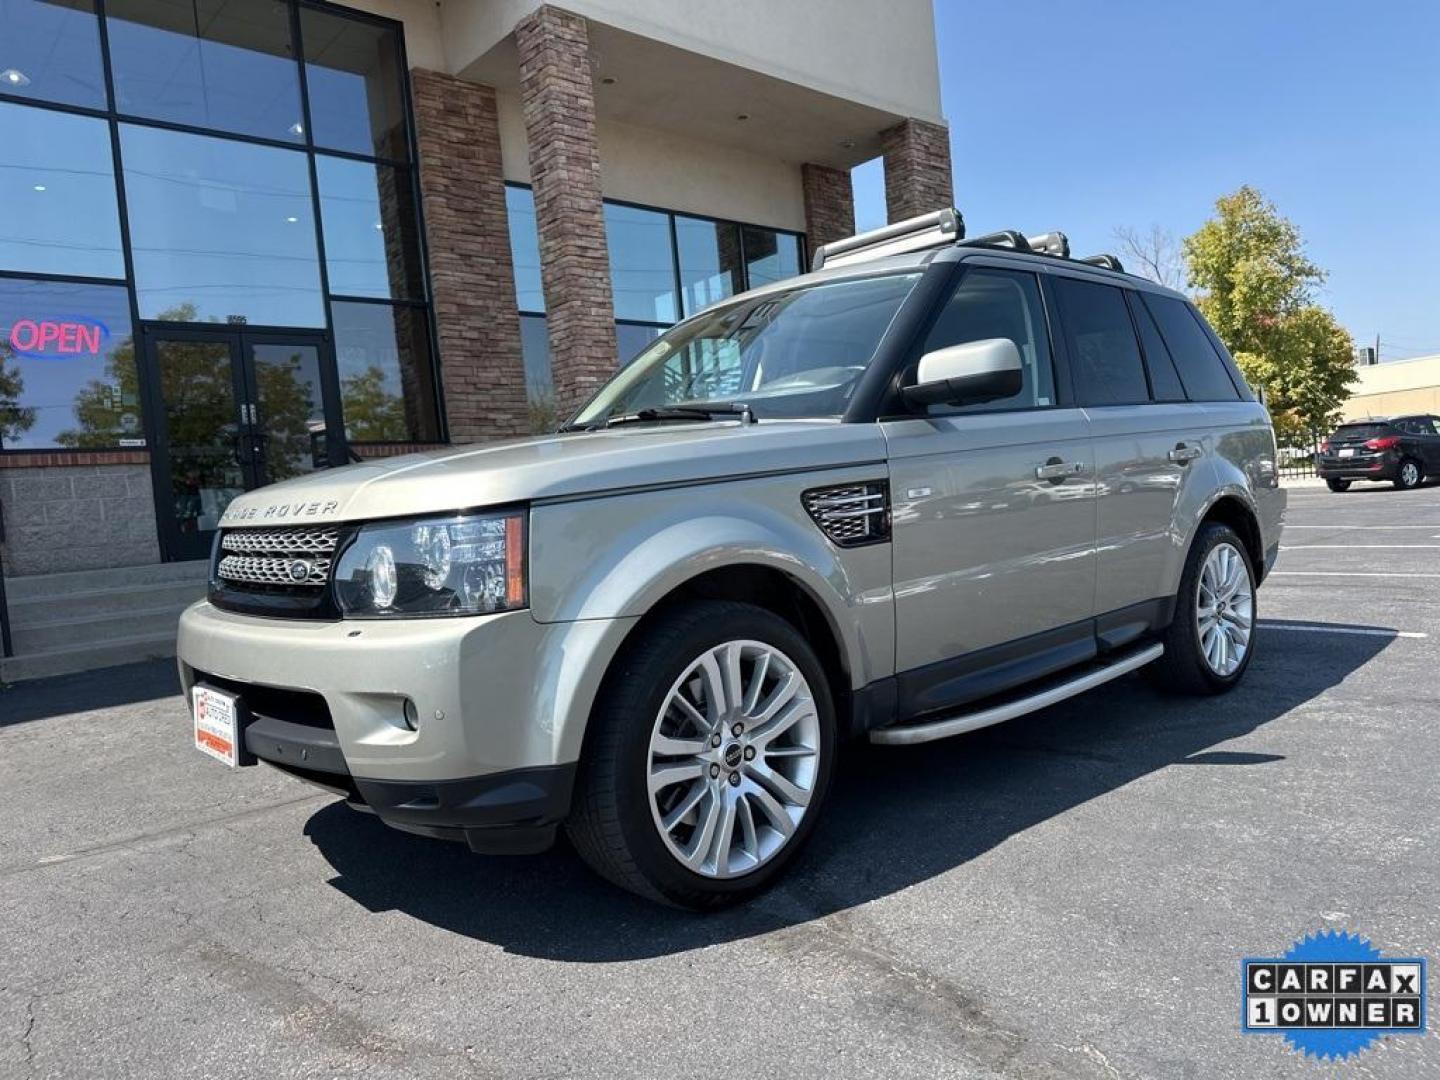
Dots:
{"x": 287, "y": 561}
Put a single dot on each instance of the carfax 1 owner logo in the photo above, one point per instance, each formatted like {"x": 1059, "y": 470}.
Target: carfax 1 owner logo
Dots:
{"x": 1332, "y": 995}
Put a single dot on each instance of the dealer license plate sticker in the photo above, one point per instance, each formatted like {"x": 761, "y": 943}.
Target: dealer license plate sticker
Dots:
{"x": 1347, "y": 452}
{"x": 215, "y": 725}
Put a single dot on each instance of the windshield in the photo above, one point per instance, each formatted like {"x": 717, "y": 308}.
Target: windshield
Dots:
{"x": 797, "y": 353}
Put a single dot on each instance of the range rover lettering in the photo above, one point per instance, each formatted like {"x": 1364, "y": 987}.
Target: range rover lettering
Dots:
{"x": 934, "y": 484}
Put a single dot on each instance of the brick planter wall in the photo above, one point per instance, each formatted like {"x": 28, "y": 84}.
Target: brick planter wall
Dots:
{"x": 917, "y": 169}
{"x": 471, "y": 275}
{"x": 558, "y": 102}
{"x": 76, "y": 517}
{"x": 829, "y": 204}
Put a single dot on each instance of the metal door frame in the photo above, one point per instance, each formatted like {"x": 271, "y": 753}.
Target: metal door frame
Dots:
{"x": 241, "y": 341}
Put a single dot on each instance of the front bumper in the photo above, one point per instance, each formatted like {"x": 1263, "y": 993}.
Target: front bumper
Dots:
{"x": 500, "y": 703}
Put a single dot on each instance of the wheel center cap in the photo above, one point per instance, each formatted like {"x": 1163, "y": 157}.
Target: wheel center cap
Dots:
{"x": 732, "y": 756}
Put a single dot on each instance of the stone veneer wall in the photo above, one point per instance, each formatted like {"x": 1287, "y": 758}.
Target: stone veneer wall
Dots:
{"x": 917, "y": 169}
{"x": 76, "y": 517}
{"x": 557, "y": 99}
{"x": 829, "y": 204}
{"x": 471, "y": 275}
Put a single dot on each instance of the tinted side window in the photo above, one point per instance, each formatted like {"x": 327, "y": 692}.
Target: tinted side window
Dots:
{"x": 1165, "y": 381}
{"x": 1201, "y": 368}
{"x": 1104, "y": 357}
{"x": 999, "y": 304}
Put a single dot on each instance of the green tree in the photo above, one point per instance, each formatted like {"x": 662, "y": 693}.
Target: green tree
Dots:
{"x": 1257, "y": 288}
{"x": 372, "y": 413}
{"x": 15, "y": 419}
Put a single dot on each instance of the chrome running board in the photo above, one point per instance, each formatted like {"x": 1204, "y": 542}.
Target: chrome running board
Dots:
{"x": 997, "y": 714}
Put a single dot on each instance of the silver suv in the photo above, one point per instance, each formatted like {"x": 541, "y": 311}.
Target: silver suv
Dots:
{"x": 933, "y": 485}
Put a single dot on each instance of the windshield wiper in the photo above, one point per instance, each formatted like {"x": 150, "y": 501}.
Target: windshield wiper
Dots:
{"x": 699, "y": 411}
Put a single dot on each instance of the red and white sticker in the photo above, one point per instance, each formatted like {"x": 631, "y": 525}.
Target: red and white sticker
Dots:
{"x": 215, "y": 732}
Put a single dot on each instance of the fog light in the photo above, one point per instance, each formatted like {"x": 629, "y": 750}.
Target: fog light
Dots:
{"x": 412, "y": 715}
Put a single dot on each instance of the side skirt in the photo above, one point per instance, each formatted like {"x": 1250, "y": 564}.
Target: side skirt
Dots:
{"x": 1087, "y": 678}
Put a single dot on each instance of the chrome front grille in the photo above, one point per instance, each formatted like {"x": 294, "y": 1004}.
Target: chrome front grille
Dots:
{"x": 851, "y": 514}
{"x": 277, "y": 559}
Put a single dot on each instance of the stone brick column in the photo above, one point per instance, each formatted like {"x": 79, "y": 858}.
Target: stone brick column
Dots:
{"x": 471, "y": 275}
{"x": 829, "y": 204}
{"x": 917, "y": 169}
{"x": 558, "y": 102}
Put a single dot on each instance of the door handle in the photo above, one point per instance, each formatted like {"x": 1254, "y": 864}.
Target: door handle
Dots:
{"x": 1055, "y": 469}
{"x": 1182, "y": 454}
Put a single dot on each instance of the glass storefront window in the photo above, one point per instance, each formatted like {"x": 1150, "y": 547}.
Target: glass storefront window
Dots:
{"x": 67, "y": 367}
{"x": 710, "y": 265}
{"x": 642, "y": 264}
{"x": 50, "y": 50}
{"x": 770, "y": 256}
{"x": 58, "y": 212}
{"x": 220, "y": 230}
{"x": 371, "y": 246}
{"x": 387, "y": 380}
{"x": 207, "y": 63}
{"x": 632, "y": 340}
{"x": 524, "y": 248}
{"x": 354, "y": 76}
{"x": 539, "y": 382}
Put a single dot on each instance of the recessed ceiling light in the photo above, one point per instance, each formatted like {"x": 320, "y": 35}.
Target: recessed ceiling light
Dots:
{"x": 742, "y": 116}
{"x": 12, "y": 77}
{"x": 292, "y": 220}
{"x": 39, "y": 187}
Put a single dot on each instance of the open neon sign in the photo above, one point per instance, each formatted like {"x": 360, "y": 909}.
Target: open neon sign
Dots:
{"x": 69, "y": 335}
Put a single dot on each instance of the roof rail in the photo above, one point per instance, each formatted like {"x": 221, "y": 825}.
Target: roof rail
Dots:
{"x": 913, "y": 234}
{"x": 1108, "y": 262}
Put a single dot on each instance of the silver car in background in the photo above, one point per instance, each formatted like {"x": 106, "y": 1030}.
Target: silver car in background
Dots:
{"x": 935, "y": 484}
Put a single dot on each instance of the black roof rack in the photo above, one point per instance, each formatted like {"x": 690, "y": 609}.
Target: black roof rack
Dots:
{"x": 1107, "y": 262}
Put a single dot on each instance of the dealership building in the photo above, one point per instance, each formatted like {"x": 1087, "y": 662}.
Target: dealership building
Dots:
{"x": 241, "y": 240}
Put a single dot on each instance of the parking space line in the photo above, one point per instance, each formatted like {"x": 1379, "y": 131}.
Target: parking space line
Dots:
{"x": 1357, "y": 547}
{"x": 1364, "y": 631}
{"x": 1343, "y": 573}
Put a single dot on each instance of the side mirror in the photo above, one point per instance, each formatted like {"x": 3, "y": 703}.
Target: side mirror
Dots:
{"x": 967, "y": 374}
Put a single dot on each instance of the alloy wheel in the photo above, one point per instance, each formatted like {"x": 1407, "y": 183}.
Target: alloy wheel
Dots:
{"x": 1409, "y": 474}
{"x": 734, "y": 758}
{"x": 1224, "y": 609}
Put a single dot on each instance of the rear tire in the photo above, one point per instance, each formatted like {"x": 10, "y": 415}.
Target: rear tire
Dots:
{"x": 1409, "y": 475}
{"x": 1337, "y": 485}
{"x": 1214, "y": 617}
{"x": 698, "y": 787}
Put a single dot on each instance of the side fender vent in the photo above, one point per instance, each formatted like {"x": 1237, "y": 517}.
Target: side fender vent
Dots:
{"x": 851, "y": 514}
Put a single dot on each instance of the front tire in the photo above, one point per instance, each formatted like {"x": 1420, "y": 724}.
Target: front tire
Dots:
{"x": 1210, "y": 639}
{"x": 708, "y": 759}
{"x": 1337, "y": 485}
{"x": 1409, "y": 475}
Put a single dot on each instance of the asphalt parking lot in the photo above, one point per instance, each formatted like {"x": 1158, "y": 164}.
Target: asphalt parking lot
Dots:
{"x": 1068, "y": 895}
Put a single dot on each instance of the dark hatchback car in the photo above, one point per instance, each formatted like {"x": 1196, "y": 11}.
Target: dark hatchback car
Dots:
{"x": 1401, "y": 449}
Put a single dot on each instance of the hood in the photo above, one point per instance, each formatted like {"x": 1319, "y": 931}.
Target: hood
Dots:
{"x": 556, "y": 467}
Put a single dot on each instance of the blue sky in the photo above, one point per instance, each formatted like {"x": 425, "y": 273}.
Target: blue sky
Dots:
{"x": 1085, "y": 115}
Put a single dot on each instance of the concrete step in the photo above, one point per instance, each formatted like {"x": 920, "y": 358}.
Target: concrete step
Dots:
{"x": 86, "y": 657}
{"x": 147, "y": 621}
{"x": 102, "y": 602}
{"x": 120, "y": 577}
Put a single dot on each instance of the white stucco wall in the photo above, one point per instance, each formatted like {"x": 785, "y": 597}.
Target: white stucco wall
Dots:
{"x": 664, "y": 170}
{"x": 877, "y": 52}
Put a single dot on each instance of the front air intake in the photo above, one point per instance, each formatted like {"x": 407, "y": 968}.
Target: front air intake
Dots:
{"x": 851, "y": 514}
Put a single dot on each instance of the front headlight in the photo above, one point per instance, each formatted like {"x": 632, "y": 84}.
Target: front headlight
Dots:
{"x": 458, "y": 565}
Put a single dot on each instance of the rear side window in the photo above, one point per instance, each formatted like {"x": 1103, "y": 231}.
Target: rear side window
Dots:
{"x": 999, "y": 304}
{"x": 1361, "y": 432}
{"x": 1104, "y": 356}
{"x": 1201, "y": 369}
{"x": 1165, "y": 381}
